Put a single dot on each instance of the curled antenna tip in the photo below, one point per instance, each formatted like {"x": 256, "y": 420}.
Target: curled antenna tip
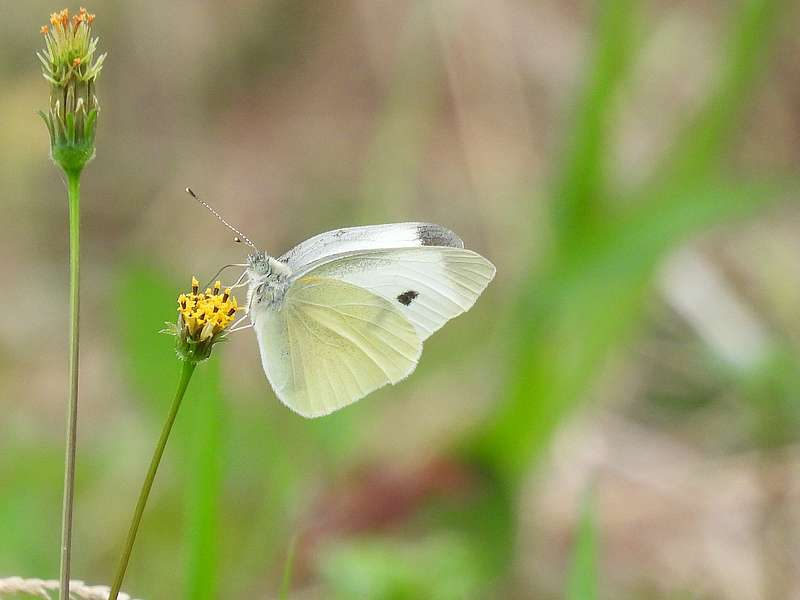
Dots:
{"x": 190, "y": 192}
{"x": 237, "y": 239}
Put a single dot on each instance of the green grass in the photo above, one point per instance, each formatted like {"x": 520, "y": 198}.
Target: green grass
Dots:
{"x": 588, "y": 298}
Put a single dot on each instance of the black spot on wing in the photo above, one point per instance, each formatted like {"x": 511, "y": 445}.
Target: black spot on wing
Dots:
{"x": 430, "y": 234}
{"x": 407, "y": 297}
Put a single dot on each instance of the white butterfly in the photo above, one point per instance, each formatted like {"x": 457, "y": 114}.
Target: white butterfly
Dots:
{"x": 345, "y": 312}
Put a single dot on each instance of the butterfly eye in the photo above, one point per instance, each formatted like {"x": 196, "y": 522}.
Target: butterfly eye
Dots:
{"x": 260, "y": 289}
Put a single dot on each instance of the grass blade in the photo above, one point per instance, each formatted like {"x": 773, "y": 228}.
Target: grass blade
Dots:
{"x": 203, "y": 485}
{"x": 587, "y": 304}
{"x": 580, "y": 184}
{"x": 583, "y": 579}
{"x": 288, "y": 567}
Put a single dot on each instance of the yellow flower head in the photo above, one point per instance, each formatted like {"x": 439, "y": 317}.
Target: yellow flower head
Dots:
{"x": 204, "y": 316}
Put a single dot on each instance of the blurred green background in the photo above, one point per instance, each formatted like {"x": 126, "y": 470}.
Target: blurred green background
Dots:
{"x": 619, "y": 415}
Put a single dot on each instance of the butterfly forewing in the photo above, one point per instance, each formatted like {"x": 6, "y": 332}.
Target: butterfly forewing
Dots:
{"x": 370, "y": 237}
{"x": 332, "y": 343}
{"x": 428, "y": 285}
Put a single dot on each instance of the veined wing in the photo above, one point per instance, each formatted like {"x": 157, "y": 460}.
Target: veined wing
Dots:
{"x": 428, "y": 285}
{"x": 333, "y": 343}
{"x": 371, "y": 237}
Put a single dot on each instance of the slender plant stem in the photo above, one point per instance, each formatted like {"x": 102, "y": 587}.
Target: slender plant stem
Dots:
{"x": 288, "y": 568}
{"x": 74, "y": 193}
{"x": 186, "y": 375}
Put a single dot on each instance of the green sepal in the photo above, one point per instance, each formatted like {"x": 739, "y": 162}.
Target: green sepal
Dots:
{"x": 88, "y": 128}
{"x": 60, "y": 130}
{"x": 71, "y": 128}
{"x": 49, "y": 125}
{"x": 192, "y": 350}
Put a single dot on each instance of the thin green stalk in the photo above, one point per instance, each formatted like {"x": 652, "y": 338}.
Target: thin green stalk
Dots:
{"x": 205, "y": 454}
{"x": 186, "y": 375}
{"x": 288, "y": 568}
{"x": 583, "y": 580}
{"x": 74, "y": 192}
{"x": 71, "y": 64}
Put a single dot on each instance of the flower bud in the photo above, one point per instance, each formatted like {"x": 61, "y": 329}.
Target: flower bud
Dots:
{"x": 71, "y": 65}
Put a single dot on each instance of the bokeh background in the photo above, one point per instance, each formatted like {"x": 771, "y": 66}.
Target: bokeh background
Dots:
{"x": 618, "y": 417}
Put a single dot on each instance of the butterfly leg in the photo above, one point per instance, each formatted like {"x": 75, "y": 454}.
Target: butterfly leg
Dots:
{"x": 237, "y": 327}
{"x": 240, "y": 282}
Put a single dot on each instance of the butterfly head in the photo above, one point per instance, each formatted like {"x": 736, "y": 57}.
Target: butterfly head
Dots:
{"x": 258, "y": 264}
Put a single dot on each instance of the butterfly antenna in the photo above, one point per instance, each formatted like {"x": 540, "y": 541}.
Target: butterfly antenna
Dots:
{"x": 240, "y": 237}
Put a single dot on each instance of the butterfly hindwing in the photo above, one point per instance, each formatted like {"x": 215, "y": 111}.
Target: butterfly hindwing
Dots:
{"x": 332, "y": 343}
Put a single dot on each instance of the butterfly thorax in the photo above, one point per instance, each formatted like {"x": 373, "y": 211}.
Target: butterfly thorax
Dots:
{"x": 269, "y": 280}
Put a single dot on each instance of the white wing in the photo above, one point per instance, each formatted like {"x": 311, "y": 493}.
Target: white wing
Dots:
{"x": 429, "y": 285}
{"x": 372, "y": 237}
{"x": 333, "y": 343}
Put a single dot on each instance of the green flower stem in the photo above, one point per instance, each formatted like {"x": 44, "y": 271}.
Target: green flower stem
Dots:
{"x": 74, "y": 193}
{"x": 186, "y": 375}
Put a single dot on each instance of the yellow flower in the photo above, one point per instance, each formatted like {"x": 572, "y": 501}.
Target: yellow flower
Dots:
{"x": 203, "y": 319}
